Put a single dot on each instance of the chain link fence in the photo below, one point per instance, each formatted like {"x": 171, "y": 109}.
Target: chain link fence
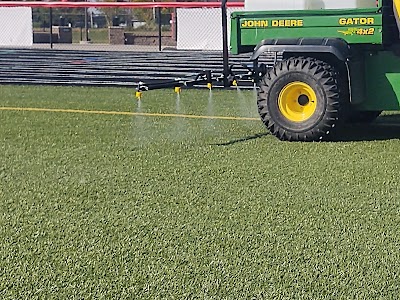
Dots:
{"x": 112, "y": 29}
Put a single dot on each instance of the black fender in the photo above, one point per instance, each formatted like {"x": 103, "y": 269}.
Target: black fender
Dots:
{"x": 336, "y": 46}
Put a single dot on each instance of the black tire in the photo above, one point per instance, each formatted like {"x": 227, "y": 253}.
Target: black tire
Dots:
{"x": 323, "y": 110}
{"x": 364, "y": 117}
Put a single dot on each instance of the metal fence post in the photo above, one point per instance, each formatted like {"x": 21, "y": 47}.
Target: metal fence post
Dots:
{"x": 159, "y": 28}
{"x": 225, "y": 49}
{"x": 86, "y": 25}
{"x": 51, "y": 27}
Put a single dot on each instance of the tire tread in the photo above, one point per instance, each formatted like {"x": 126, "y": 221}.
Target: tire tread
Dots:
{"x": 325, "y": 75}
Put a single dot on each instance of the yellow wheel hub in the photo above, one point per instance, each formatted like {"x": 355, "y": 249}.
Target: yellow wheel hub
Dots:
{"x": 297, "y": 101}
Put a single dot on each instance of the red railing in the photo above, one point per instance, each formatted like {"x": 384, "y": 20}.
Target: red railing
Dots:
{"x": 66, "y": 4}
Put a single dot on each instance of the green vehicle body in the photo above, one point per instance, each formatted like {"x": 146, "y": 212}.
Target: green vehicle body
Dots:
{"x": 371, "y": 35}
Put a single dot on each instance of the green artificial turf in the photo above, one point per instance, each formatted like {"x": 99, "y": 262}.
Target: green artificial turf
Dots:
{"x": 136, "y": 207}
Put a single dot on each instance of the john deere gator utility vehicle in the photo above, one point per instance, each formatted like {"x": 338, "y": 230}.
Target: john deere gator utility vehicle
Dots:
{"x": 332, "y": 62}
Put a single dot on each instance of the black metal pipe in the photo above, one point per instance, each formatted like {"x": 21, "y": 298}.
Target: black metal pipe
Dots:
{"x": 51, "y": 27}
{"x": 225, "y": 50}
{"x": 208, "y": 75}
{"x": 159, "y": 28}
{"x": 176, "y": 25}
{"x": 158, "y": 85}
{"x": 86, "y": 25}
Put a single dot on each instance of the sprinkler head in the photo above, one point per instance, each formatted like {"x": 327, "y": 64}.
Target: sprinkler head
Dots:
{"x": 178, "y": 89}
{"x": 209, "y": 86}
{"x": 138, "y": 95}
